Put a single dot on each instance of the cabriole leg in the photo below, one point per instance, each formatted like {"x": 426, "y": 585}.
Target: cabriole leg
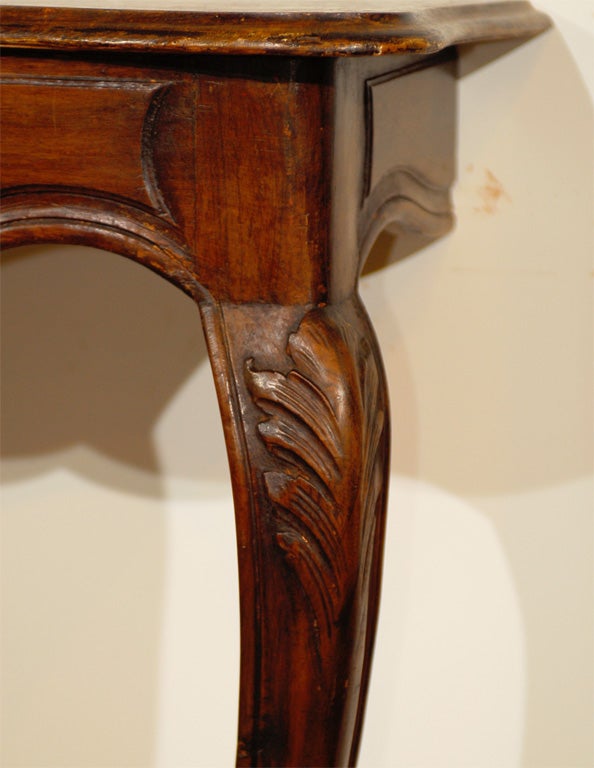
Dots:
{"x": 304, "y": 408}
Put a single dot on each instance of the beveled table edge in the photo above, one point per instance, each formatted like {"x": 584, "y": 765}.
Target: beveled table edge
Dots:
{"x": 292, "y": 34}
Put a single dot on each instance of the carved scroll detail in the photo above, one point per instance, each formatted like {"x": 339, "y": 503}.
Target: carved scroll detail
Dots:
{"x": 148, "y": 140}
{"x": 325, "y": 422}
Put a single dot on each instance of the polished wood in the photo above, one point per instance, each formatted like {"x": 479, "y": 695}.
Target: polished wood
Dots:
{"x": 427, "y": 30}
{"x": 257, "y": 185}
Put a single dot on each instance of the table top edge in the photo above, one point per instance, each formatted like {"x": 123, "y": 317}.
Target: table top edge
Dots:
{"x": 320, "y": 34}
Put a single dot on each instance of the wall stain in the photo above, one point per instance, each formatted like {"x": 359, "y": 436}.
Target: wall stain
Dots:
{"x": 490, "y": 194}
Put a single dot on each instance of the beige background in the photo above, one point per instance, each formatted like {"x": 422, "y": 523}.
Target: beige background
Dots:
{"x": 119, "y": 606}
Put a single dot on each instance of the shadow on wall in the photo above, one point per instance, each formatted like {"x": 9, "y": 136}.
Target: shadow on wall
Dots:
{"x": 94, "y": 350}
{"x": 507, "y": 288}
{"x": 487, "y": 338}
{"x": 96, "y": 355}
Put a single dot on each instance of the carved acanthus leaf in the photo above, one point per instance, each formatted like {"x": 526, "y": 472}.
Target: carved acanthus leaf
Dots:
{"x": 324, "y": 425}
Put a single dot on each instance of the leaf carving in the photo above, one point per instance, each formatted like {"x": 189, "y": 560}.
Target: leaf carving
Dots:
{"x": 324, "y": 424}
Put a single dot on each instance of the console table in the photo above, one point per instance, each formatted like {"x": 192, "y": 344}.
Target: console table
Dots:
{"x": 251, "y": 160}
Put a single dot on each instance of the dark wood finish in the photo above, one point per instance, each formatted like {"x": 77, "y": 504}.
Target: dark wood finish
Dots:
{"x": 309, "y": 459}
{"x": 256, "y": 185}
{"x": 295, "y": 34}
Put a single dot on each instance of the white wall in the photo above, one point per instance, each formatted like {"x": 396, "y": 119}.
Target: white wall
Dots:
{"x": 119, "y": 612}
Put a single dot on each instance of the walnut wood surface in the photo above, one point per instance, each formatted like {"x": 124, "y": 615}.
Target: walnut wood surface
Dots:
{"x": 423, "y": 31}
{"x": 256, "y": 185}
{"x": 307, "y": 426}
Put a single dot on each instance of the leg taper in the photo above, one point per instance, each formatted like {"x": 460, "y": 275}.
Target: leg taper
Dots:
{"x": 304, "y": 405}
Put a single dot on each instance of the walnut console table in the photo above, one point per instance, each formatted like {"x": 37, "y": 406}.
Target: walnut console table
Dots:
{"x": 251, "y": 159}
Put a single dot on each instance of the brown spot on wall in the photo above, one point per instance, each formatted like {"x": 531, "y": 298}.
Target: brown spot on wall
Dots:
{"x": 490, "y": 194}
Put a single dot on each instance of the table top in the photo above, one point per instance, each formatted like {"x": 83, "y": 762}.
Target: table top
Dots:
{"x": 285, "y": 27}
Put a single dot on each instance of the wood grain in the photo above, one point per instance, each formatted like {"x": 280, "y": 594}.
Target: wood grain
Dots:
{"x": 56, "y": 105}
{"x": 297, "y": 34}
{"x": 306, "y": 414}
